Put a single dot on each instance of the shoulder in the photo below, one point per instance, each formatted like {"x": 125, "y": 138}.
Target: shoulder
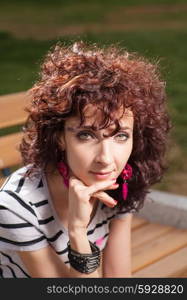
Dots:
{"x": 114, "y": 213}
{"x": 18, "y": 183}
{"x": 122, "y": 223}
{"x": 23, "y": 187}
{"x": 20, "y": 213}
{"x": 19, "y": 194}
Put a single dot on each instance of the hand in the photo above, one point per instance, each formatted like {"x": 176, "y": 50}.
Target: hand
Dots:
{"x": 82, "y": 198}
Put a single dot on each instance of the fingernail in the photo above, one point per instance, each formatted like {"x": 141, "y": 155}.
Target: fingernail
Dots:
{"x": 114, "y": 203}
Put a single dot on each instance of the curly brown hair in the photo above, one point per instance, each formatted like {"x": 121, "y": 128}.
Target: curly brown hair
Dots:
{"x": 109, "y": 77}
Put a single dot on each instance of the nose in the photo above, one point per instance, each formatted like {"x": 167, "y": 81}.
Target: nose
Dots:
{"x": 104, "y": 153}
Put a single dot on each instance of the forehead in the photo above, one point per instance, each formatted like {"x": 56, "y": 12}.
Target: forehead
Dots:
{"x": 93, "y": 115}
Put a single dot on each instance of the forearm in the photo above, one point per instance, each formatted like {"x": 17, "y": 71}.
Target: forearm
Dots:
{"x": 80, "y": 243}
{"x": 116, "y": 271}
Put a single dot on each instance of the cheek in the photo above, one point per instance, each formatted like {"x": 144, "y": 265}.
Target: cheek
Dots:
{"x": 79, "y": 158}
{"x": 123, "y": 153}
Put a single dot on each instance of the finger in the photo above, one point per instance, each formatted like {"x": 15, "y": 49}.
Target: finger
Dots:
{"x": 96, "y": 194}
{"x": 113, "y": 186}
{"x": 100, "y": 186}
{"x": 106, "y": 199}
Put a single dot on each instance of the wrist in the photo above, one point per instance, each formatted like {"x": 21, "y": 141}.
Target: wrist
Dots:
{"x": 76, "y": 231}
{"x": 79, "y": 240}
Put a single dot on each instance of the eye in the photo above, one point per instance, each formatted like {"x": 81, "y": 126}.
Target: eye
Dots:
{"x": 83, "y": 134}
{"x": 123, "y": 136}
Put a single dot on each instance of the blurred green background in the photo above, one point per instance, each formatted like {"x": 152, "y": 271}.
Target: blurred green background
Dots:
{"x": 153, "y": 28}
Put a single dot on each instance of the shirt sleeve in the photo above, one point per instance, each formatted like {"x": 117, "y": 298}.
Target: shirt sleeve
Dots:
{"x": 115, "y": 213}
{"x": 19, "y": 227}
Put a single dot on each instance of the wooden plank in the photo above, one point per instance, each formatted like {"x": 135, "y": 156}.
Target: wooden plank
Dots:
{"x": 138, "y": 222}
{"x": 9, "y": 154}
{"x": 173, "y": 265}
{"x": 12, "y": 109}
{"x": 183, "y": 274}
{"x": 156, "y": 249}
{"x": 2, "y": 180}
{"x": 148, "y": 232}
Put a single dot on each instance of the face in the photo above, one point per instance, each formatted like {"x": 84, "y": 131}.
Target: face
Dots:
{"x": 89, "y": 152}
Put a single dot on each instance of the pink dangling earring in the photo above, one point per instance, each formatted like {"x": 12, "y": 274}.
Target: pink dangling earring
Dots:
{"x": 126, "y": 174}
{"x": 63, "y": 170}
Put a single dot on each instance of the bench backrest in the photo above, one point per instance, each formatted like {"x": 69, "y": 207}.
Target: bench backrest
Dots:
{"x": 12, "y": 109}
{"x": 12, "y": 113}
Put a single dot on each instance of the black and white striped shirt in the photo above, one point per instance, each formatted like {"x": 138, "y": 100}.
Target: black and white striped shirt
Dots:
{"x": 28, "y": 221}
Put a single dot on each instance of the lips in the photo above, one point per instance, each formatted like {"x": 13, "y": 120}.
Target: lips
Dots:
{"x": 102, "y": 173}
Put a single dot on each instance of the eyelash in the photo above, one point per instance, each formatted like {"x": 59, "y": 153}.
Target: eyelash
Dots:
{"x": 85, "y": 132}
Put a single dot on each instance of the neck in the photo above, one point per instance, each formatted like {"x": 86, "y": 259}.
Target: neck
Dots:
{"x": 57, "y": 188}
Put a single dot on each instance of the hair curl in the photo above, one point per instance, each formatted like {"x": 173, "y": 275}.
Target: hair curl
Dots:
{"x": 109, "y": 77}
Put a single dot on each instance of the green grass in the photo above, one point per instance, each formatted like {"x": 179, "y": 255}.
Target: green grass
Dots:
{"x": 62, "y": 3}
{"x": 76, "y": 12}
{"x": 19, "y": 61}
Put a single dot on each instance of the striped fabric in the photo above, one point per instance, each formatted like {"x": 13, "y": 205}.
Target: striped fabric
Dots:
{"x": 28, "y": 221}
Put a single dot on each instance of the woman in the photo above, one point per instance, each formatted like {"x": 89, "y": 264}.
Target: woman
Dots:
{"x": 93, "y": 144}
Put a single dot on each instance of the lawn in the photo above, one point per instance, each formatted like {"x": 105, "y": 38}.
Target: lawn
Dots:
{"x": 157, "y": 30}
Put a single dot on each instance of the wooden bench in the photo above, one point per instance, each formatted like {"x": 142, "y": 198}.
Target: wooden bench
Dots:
{"x": 157, "y": 250}
{"x": 12, "y": 109}
{"x": 12, "y": 114}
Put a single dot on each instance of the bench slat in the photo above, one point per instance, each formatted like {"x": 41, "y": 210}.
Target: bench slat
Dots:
{"x": 2, "y": 180}
{"x": 12, "y": 109}
{"x": 173, "y": 265}
{"x": 9, "y": 155}
{"x": 156, "y": 249}
{"x": 148, "y": 232}
{"x": 138, "y": 222}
